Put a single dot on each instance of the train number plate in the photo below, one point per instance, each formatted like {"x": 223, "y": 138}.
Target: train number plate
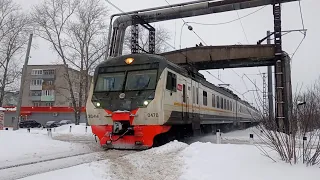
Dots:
{"x": 151, "y": 115}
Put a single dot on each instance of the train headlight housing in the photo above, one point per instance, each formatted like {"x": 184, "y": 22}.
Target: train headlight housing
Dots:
{"x": 145, "y": 103}
{"x": 97, "y": 104}
{"x": 129, "y": 60}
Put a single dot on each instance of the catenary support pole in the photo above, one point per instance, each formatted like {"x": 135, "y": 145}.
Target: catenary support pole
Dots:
{"x": 270, "y": 90}
{"x": 24, "y": 74}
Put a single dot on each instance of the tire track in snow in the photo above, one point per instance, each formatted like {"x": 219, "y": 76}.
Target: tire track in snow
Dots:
{"x": 56, "y": 164}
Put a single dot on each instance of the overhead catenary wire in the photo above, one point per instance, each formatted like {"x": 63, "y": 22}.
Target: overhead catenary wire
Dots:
{"x": 242, "y": 94}
{"x": 244, "y": 32}
{"x": 187, "y": 24}
{"x": 227, "y": 22}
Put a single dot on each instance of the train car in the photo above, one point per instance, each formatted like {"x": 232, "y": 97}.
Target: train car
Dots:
{"x": 141, "y": 100}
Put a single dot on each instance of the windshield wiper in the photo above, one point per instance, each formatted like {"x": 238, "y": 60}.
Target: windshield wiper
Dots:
{"x": 145, "y": 87}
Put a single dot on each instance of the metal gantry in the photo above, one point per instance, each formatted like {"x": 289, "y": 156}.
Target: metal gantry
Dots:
{"x": 282, "y": 110}
{"x": 135, "y": 47}
{"x": 203, "y": 7}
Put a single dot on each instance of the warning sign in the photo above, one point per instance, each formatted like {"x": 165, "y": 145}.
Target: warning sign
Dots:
{"x": 1, "y": 120}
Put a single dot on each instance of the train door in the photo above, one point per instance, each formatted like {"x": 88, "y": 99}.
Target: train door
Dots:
{"x": 171, "y": 111}
{"x": 195, "y": 107}
{"x": 189, "y": 99}
{"x": 185, "y": 110}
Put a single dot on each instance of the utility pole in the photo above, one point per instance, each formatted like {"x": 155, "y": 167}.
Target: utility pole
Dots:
{"x": 24, "y": 74}
{"x": 270, "y": 91}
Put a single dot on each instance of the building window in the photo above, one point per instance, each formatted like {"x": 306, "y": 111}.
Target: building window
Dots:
{"x": 36, "y": 104}
{"x": 47, "y": 92}
{"x": 205, "y": 98}
{"x": 48, "y": 72}
{"x": 36, "y": 82}
{"x": 50, "y": 82}
{"x": 49, "y": 104}
{"x": 35, "y": 93}
{"x": 171, "y": 82}
{"x": 213, "y": 100}
{"x": 37, "y": 72}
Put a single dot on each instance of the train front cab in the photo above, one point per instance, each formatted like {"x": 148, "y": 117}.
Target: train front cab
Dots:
{"x": 122, "y": 113}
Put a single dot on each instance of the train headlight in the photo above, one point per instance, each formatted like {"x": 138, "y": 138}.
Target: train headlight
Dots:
{"x": 97, "y": 104}
{"x": 129, "y": 60}
{"x": 145, "y": 103}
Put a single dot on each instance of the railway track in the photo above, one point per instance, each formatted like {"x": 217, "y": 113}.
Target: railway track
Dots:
{"x": 22, "y": 170}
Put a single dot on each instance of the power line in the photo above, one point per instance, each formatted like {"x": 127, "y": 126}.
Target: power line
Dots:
{"x": 302, "y": 21}
{"x": 244, "y": 32}
{"x": 227, "y": 22}
{"x": 187, "y": 24}
{"x": 242, "y": 94}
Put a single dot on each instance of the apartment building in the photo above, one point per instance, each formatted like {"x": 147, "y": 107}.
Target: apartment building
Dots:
{"x": 46, "y": 85}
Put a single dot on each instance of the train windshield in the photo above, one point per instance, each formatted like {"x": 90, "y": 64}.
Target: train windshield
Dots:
{"x": 141, "y": 80}
{"x": 136, "y": 80}
{"x": 110, "y": 82}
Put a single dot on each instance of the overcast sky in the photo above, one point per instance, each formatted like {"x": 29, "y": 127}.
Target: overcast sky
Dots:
{"x": 305, "y": 64}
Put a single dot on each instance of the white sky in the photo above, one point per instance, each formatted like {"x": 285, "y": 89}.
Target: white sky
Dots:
{"x": 306, "y": 62}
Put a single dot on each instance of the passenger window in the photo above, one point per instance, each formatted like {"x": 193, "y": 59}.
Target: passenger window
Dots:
{"x": 171, "y": 82}
{"x": 225, "y": 104}
{"x": 227, "y": 107}
{"x": 205, "y": 98}
{"x": 197, "y": 92}
{"x": 218, "y": 102}
{"x": 193, "y": 95}
{"x": 213, "y": 100}
{"x": 221, "y": 103}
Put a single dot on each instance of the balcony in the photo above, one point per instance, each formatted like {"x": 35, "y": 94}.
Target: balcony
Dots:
{"x": 35, "y": 98}
{"x": 48, "y": 98}
{"x": 35, "y": 87}
{"x": 48, "y": 87}
{"x": 47, "y": 76}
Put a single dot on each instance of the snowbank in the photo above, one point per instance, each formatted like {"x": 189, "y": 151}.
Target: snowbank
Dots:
{"x": 20, "y": 146}
{"x": 80, "y": 129}
{"x": 207, "y": 161}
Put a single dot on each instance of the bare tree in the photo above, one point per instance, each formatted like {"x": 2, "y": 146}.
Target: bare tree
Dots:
{"x": 76, "y": 30}
{"x": 302, "y": 143}
{"x": 162, "y": 36}
{"x": 13, "y": 39}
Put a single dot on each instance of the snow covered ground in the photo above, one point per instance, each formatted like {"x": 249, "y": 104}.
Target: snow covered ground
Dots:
{"x": 22, "y": 146}
{"x": 176, "y": 160}
{"x": 198, "y": 161}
